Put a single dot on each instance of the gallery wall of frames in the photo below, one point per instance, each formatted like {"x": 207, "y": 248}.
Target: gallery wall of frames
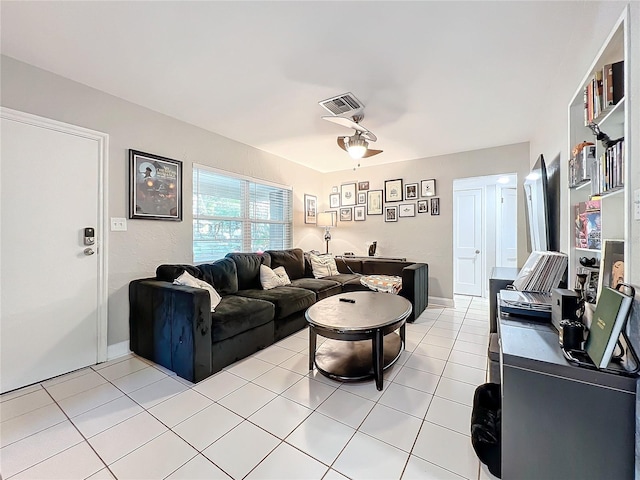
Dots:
{"x": 396, "y": 199}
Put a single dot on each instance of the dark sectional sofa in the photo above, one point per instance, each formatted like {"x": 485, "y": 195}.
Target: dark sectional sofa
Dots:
{"x": 173, "y": 325}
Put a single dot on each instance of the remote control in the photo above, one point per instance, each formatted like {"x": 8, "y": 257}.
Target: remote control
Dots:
{"x": 348, "y": 300}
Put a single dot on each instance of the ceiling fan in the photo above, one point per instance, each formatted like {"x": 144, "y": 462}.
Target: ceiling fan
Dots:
{"x": 356, "y": 145}
{"x": 348, "y": 111}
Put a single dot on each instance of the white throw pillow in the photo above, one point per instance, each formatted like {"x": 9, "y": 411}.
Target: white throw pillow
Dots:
{"x": 189, "y": 280}
{"x": 273, "y": 278}
{"x": 323, "y": 265}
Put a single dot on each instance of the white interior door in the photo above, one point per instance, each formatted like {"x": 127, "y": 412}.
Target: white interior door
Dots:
{"x": 52, "y": 292}
{"x": 467, "y": 248}
{"x": 507, "y": 238}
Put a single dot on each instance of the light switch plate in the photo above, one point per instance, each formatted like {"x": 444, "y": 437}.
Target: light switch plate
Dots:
{"x": 636, "y": 204}
{"x": 118, "y": 224}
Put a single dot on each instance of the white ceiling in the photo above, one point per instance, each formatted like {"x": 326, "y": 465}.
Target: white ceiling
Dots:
{"x": 436, "y": 77}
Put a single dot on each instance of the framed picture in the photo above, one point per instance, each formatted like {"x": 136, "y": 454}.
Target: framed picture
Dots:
{"x": 391, "y": 214}
{"x": 155, "y": 187}
{"x": 428, "y": 188}
{"x": 435, "y": 206}
{"x": 407, "y": 210}
{"x": 362, "y": 198}
{"x": 310, "y": 208}
{"x": 334, "y": 200}
{"x": 363, "y": 185}
{"x": 611, "y": 264}
{"x": 348, "y": 194}
{"x": 374, "y": 202}
{"x": 334, "y": 189}
{"x": 393, "y": 190}
{"x": 423, "y": 206}
{"x": 346, "y": 214}
{"x": 358, "y": 213}
{"x": 411, "y": 191}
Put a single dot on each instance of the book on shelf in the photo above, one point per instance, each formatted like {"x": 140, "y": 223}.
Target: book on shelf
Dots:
{"x": 607, "y": 171}
{"x": 604, "y": 90}
{"x": 607, "y": 323}
{"x": 542, "y": 272}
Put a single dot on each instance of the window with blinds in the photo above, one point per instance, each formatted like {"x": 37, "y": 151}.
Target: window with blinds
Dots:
{"x": 238, "y": 214}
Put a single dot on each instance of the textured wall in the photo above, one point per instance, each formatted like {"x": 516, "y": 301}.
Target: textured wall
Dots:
{"x": 137, "y": 252}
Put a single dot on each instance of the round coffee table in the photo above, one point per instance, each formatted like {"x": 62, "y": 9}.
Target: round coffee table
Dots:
{"x": 362, "y": 341}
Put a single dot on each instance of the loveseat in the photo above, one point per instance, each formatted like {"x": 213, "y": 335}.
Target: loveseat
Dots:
{"x": 173, "y": 325}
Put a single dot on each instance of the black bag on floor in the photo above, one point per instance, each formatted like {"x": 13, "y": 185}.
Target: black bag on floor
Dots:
{"x": 486, "y": 424}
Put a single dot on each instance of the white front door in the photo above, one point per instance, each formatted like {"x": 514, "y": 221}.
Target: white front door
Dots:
{"x": 507, "y": 234}
{"x": 467, "y": 242}
{"x": 53, "y": 302}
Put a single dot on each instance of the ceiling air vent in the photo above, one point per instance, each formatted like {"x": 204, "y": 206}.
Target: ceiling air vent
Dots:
{"x": 345, "y": 104}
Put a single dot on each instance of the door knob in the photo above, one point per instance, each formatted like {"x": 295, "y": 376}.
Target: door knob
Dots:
{"x": 89, "y": 251}
{"x": 477, "y": 251}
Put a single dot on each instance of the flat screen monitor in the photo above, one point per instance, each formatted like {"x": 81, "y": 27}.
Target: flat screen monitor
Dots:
{"x": 536, "y": 200}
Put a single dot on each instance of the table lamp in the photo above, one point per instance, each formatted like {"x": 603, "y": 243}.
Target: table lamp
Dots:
{"x": 327, "y": 220}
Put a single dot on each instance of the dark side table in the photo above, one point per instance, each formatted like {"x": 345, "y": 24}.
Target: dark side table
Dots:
{"x": 361, "y": 335}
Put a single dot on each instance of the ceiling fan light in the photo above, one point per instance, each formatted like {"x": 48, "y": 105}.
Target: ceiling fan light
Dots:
{"x": 356, "y": 146}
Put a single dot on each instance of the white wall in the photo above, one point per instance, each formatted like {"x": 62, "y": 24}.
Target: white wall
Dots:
{"x": 137, "y": 252}
{"x": 426, "y": 238}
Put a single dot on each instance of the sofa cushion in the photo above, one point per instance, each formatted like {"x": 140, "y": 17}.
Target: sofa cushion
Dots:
{"x": 343, "y": 278}
{"x": 222, "y": 275}
{"x": 354, "y": 285}
{"x": 190, "y": 281}
{"x": 273, "y": 278}
{"x": 349, "y": 265}
{"x": 248, "y": 268}
{"x": 287, "y": 300}
{"x": 323, "y": 265}
{"x": 322, "y": 287}
{"x": 384, "y": 267}
{"x": 168, "y": 273}
{"x": 292, "y": 260}
{"x": 235, "y": 314}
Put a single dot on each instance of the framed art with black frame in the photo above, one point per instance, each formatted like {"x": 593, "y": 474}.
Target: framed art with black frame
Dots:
{"x": 334, "y": 200}
{"x": 155, "y": 187}
{"x": 310, "y": 209}
{"x": 411, "y": 191}
{"x": 435, "y": 206}
{"x": 347, "y": 194}
{"x": 407, "y": 210}
{"x": 359, "y": 213}
{"x": 428, "y": 188}
{"x": 393, "y": 190}
{"x": 374, "y": 202}
{"x": 346, "y": 214}
{"x": 362, "y": 198}
{"x": 423, "y": 206}
{"x": 391, "y": 214}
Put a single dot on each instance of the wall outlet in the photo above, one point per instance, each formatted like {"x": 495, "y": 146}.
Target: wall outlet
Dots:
{"x": 118, "y": 224}
{"x": 636, "y": 204}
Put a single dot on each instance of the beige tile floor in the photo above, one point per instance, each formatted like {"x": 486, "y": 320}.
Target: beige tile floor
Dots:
{"x": 264, "y": 417}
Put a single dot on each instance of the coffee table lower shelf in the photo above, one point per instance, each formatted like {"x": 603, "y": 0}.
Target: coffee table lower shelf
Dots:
{"x": 348, "y": 360}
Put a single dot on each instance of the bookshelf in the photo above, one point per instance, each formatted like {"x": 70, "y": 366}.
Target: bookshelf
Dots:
{"x": 602, "y": 173}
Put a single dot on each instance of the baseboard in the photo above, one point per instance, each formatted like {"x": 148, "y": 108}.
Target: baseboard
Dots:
{"x": 440, "y": 301}
{"x": 118, "y": 350}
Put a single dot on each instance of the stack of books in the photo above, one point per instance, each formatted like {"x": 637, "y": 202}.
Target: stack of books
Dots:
{"x": 607, "y": 172}
{"x": 542, "y": 272}
{"x": 605, "y": 89}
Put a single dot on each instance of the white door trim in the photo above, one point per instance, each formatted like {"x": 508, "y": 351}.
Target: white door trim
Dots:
{"x": 101, "y": 235}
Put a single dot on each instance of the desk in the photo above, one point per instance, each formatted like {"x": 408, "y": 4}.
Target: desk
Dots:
{"x": 560, "y": 421}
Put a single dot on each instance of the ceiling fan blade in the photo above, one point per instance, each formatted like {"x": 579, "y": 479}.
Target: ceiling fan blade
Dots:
{"x": 347, "y": 122}
{"x": 341, "y": 143}
{"x": 371, "y": 153}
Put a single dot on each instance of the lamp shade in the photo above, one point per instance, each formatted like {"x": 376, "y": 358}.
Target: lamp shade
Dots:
{"x": 326, "y": 219}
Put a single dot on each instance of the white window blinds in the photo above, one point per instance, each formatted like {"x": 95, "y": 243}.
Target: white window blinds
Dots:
{"x": 238, "y": 214}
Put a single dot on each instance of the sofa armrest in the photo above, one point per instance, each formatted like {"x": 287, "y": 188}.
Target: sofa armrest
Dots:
{"x": 171, "y": 325}
{"x": 415, "y": 287}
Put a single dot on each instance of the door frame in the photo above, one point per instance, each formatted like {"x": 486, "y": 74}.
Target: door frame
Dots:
{"x": 102, "y": 140}
{"x": 488, "y": 214}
